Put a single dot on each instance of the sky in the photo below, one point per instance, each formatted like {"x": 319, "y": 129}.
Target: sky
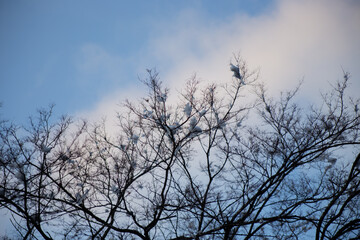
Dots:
{"x": 76, "y": 53}
{"x": 87, "y": 56}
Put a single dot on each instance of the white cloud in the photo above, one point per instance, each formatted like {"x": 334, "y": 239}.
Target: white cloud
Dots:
{"x": 108, "y": 108}
{"x": 297, "y": 39}
{"x": 310, "y": 39}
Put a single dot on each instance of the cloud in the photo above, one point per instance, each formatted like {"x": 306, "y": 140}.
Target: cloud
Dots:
{"x": 108, "y": 108}
{"x": 310, "y": 39}
{"x": 293, "y": 40}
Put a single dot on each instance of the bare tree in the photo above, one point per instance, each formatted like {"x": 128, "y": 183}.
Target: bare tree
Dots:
{"x": 212, "y": 165}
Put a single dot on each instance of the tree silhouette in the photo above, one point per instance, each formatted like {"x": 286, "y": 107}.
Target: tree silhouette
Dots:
{"x": 213, "y": 164}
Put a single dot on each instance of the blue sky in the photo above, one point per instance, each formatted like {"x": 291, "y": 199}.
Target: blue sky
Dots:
{"x": 46, "y": 47}
{"x": 87, "y": 56}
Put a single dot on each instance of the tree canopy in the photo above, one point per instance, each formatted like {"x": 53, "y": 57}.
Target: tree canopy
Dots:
{"x": 214, "y": 164}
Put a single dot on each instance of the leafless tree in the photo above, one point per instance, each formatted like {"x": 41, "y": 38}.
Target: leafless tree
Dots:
{"x": 210, "y": 165}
